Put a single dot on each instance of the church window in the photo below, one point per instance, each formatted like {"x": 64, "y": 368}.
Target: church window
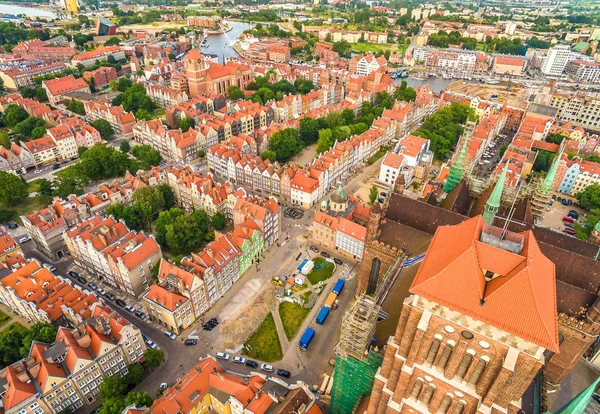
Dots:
{"x": 433, "y": 351}
{"x": 445, "y": 404}
{"x": 446, "y": 353}
{"x": 464, "y": 365}
{"x": 416, "y": 389}
{"x": 477, "y": 371}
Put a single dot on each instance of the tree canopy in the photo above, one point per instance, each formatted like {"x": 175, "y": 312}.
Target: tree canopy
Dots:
{"x": 104, "y": 128}
{"x": 12, "y": 188}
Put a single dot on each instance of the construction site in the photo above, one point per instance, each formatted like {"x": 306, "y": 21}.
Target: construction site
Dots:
{"x": 357, "y": 361}
{"x": 512, "y": 93}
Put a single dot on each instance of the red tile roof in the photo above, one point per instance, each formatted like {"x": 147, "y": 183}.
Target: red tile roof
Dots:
{"x": 520, "y": 300}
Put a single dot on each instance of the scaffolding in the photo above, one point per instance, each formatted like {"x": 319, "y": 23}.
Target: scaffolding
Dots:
{"x": 356, "y": 363}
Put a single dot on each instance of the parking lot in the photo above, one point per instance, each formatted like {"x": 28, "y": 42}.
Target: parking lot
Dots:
{"x": 553, "y": 217}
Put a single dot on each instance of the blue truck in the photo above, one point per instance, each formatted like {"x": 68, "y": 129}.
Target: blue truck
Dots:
{"x": 307, "y": 338}
{"x": 322, "y": 316}
{"x": 339, "y": 286}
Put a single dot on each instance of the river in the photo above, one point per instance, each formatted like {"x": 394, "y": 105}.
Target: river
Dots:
{"x": 218, "y": 44}
{"x": 27, "y": 11}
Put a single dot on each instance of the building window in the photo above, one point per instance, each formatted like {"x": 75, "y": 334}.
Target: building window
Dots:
{"x": 446, "y": 353}
{"x": 433, "y": 350}
{"x": 445, "y": 404}
{"x": 477, "y": 371}
{"x": 427, "y": 394}
{"x": 464, "y": 365}
{"x": 458, "y": 408}
{"x": 416, "y": 389}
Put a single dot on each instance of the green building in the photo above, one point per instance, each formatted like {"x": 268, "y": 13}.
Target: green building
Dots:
{"x": 250, "y": 241}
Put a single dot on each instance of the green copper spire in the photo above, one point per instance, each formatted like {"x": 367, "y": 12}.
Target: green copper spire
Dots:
{"x": 458, "y": 166}
{"x": 577, "y": 405}
{"x": 548, "y": 182}
{"x": 493, "y": 203}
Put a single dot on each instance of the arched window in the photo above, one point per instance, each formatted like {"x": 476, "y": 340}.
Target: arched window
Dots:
{"x": 416, "y": 389}
{"x": 446, "y": 353}
{"x": 433, "y": 351}
{"x": 464, "y": 365}
{"x": 477, "y": 371}
{"x": 427, "y": 394}
{"x": 458, "y": 408}
{"x": 374, "y": 276}
{"x": 445, "y": 404}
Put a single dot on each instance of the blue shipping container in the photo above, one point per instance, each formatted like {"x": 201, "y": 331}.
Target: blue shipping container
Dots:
{"x": 339, "y": 286}
{"x": 307, "y": 338}
{"x": 322, "y": 316}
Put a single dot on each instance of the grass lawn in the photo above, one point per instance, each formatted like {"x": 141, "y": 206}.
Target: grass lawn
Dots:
{"x": 292, "y": 315}
{"x": 373, "y": 47}
{"x": 33, "y": 186}
{"x": 4, "y": 318}
{"x": 264, "y": 342}
{"x": 30, "y": 205}
{"x": 323, "y": 273}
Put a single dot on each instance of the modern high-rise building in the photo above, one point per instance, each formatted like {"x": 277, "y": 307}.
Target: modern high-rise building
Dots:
{"x": 105, "y": 27}
{"x": 479, "y": 324}
{"x": 556, "y": 60}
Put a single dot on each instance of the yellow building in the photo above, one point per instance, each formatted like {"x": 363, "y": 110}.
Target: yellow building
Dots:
{"x": 169, "y": 308}
{"x": 71, "y": 6}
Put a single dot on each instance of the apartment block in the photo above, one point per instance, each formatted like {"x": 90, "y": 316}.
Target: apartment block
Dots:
{"x": 45, "y": 227}
{"x": 265, "y": 212}
{"x": 172, "y": 310}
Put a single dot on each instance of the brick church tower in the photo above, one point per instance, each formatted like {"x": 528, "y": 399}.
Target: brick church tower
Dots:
{"x": 195, "y": 69}
{"x": 477, "y": 328}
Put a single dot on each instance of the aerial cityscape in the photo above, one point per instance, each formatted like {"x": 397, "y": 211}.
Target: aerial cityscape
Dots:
{"x": 299, "y": 207}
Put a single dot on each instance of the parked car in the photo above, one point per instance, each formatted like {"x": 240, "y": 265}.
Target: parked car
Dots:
{"x": 141, "y": 315}
{"x": 250, "y": 363}
{"x": 564, "y": 202}
{"x": 223, "y": 355}
{"x": 12, "y": 225}
{"x": 314, "y": 249}
{"x": 24, "y": 239}
{"x": 283, "y": 373}
{"x": 120, "y": 302}
{"x": 189, "y": 342}
{"x": 74, "y": 275}
{"x": 570, "y": 202}
{"x": 267, "y": 367}
{"x": 325, "y": 254}
{"x": 109, "y": 296}
{"x": 568, "y": 219}
{"x": 569, "y": 225}
{"x": 129, "y": 308}
{"x": 101, "y": 291}
{"x": 82, "y": 280}
{"x": 569, "y": 232}
{"x": 171, "y": 335}
{"x": 163, "y": 386}
{"x": 553, "y": 196}
{"x": 93, "y": 285}
{"x": 151, "y": 344}
{"x": 239, "y": 360}
{"x": 559, "y": 199}
{"x": 381, "y": 200}
{"x": 338, "y": 261}
{"x": 383, "y": 194}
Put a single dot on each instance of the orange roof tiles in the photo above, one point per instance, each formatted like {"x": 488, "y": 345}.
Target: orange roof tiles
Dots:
{"x": 60, "y": 86}
{"x": 168, "y": 300}
{"x": 520, "y": 300}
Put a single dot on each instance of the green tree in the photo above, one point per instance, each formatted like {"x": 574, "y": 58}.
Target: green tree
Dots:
{"x": 112, "y": 387}
{"x": 5, "y": 140}
{"x": 556, "y": 138}
{"x": 590, "y": 197}
{"x": 14, "y": 114}
{"x": 45, "y": 187}
{"x": 112, "y": 405}
{"x": 42, "y": 332}
{"x": 148, "y": 156}
{"x": 135, "y": 98}
{"x": 309, "y": 130}
{"x": 135, "y": 375}
{"x": 124, "y": 147}
{"x": 139, "y": 399}
{"x": 40, "y": 94}
{"x": 325, "y": 140}
{"x": 165, "y": 218}
{"x": 153, "y": 357}
{"x": 38, "y": 132}
{"x": 185, "y": 123}
{"x": 104, "y": 128}
{"x": 235, "y": 93}
{"x": 167, "y": 195}
{"x": 11, "y": 344}
{"x": 201, "y": 154}
{"x": 543, "y": 161}
{"x": 373, "y": 194}
{"x": 27, "y": 126}
{"x": 141, "y": 114}
{"x": 444, "y": 127}
{"x": 12, "y": 189}
{"x": 270, "y": 155}
{"x": 70, "y": 180}
{"x": 81, "y": 150}
{"x": 285, "y": 144}
{"x": 76, "y": 106}
{"x": 113, "y": 41}
{"x": 218, "y": 221}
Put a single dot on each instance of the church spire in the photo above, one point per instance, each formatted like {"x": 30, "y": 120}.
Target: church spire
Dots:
{"x": 581, "y": 400}
{"x": 458, "y": 166}
{"x": 493, "y": 203}
{"x": 548, "y": 182}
